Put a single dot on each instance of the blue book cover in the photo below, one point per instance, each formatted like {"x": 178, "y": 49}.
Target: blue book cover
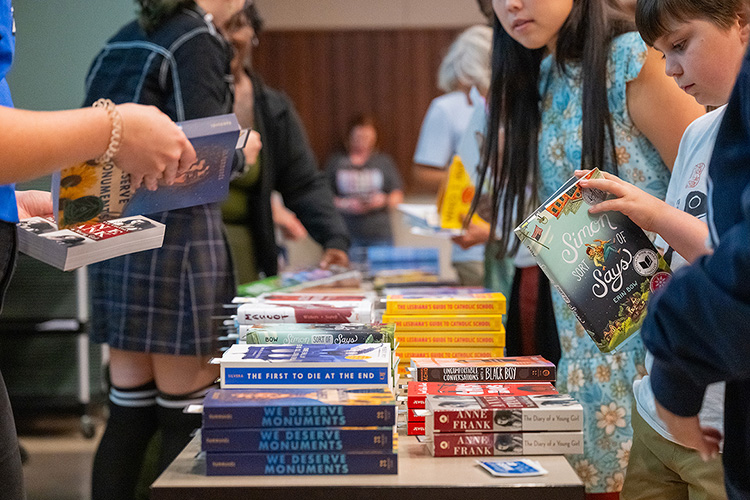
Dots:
{"x": 300, "y": 464}
{"x": 287, "y": 408}
{"x": 90, "y": 193}
{"x": 298, "y": 440}
{"x": 303, "y": 365}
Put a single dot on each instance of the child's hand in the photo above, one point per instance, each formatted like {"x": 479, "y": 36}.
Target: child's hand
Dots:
{"x": 475, "y": 234}
{"x": 641, "y": 207}
{"x": 33, "y": 203}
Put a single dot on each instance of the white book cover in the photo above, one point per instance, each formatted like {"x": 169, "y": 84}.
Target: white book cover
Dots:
{"x": 67, "y": 249}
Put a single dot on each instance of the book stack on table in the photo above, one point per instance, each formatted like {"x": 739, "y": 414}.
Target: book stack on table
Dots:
{"x": 309, "y": 431}
{"x": 446, "y": 325}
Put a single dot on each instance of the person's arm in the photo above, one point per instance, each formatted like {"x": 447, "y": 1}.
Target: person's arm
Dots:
{"x": 683, "y": 232}
{"x": 434, "y": 149}
{"x": 659, "y": 108}
{"x": 429, "y": 178}
{"x": 37, "y": 143}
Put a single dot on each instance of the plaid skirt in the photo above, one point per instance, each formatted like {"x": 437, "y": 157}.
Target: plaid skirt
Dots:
{"x": 165, "y": 301}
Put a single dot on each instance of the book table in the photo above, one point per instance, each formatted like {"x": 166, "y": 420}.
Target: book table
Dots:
{"x": 420, "y": 477}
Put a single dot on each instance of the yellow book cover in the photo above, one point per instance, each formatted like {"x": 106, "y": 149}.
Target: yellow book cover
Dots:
{"x": 406, "y": 353}
{"x": 467, "y": 303}
{"x": 455, "y": 197}
{"x": 456, "y": 323}
{"x": 451, "y": 339}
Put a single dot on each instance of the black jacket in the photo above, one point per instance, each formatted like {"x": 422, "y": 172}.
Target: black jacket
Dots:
{"x": 288, "y": 166}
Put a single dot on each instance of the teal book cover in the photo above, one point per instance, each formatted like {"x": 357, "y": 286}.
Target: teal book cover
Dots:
{"x": 604, "y": 265}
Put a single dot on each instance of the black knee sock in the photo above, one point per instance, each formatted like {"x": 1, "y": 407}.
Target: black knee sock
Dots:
{"x": 177, "y": 426}
{"x": 131, "y": 425}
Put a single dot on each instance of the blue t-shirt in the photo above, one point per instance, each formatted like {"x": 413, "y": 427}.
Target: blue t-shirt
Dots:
{"x": 8, "y": 208}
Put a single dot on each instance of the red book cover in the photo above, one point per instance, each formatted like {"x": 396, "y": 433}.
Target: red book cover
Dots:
{"x": 505, "y": 443}
{"x": 305, "y": 312}
{"x": 413, "y": 417}
{"x": 414, "y": 429}
{"x": 417, "y": 391}
{"x": 501, "y": 413}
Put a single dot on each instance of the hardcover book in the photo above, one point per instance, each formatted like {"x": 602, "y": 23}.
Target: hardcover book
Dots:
{"x": 245, "y": 366}
{"x": 360, "y": 311}
{"x": 415, "y": 429}
{"x": 515, "y": 369}
{"x": 469, "y": 303}
{"x": 88, "y": 192}
{"x": 297, "y": 464}
{"x": 604, "y": 266}
{"x": 503, "y": 413}
{"x": 291, "y": 408}
{"x": 456, "y": 323}
{"x": 506, "y": 443}
{"x": 317, "y": 333}
{"x": 66, "y": 249}
{"x": 316, "y": 439}
{"x": 417, "y": 392}
{"x": 451, "y": 339}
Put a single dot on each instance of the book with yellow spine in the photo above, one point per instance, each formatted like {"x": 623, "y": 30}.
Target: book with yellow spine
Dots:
{"x": 407, "y": 353}
{"x": 470, "y": 303}
{"x": 456, "y": 323}
{"x": 451, "y": 339}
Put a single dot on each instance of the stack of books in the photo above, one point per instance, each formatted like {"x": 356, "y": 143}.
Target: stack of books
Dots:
{"x": 289, "y": 281}
{"x": 299, "y": 432}
{"x": 447, "y": 325}
{"x": 472, "y": 376}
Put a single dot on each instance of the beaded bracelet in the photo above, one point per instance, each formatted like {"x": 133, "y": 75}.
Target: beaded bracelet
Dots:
{"x": 116, "y": 137}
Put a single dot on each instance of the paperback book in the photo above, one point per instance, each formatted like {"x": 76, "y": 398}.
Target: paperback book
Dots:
{"x": 506, "y": 443}
{"x": 456, "y": 323}
{"x": 66, "y": 249}
{"x": 360, "y": 311}
{"x": 418, "y": 391}
{"x": 293, "y": 408}
{"x": 297, "y": 464}
{"x": 604, "y": 265}
{"x": 503, "y": 413}
{"x": 245, "y": 366}
{"x": 88, "y": 192}
{"x": 509, "y": 369}
{"x": 405, "y": 354}
{"x": 451, "y": 339}
{"x": 299, "y": 440}
{"x": 469, "y": 303}
{"x": 317, "y": 333}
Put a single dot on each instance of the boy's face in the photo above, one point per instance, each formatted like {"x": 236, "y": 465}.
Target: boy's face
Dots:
{"x": 704, "y": 58}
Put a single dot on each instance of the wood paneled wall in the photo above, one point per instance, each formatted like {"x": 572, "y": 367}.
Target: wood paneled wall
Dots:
{"x": 332, "y": 75}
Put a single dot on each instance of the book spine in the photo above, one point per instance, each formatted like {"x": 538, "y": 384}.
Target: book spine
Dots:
{"x": 500, "y": 444}
{"x": 447, "y": 306}
{"x": 448, "y": 339}
{"x": 297, "y": 440}
{"x": 417, "y": 391}
{"x": 253, "y": 336}
{"x": 259, "y": 313}
{"x": 484, "y": 374}
{"x": 270, "y": 417}
{"x": 412, "y": 416}
{"x": 466, "y": 322}
{"x": 406, "y": 353}
{"x": 511, "y": 420}
{"x": 297, "y": 464}
{"x": 415, "y": 429}
{"x": 248, "y": 377}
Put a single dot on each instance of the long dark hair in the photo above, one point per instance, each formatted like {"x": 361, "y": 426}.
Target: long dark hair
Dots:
{"x": 155, "y": 12}
{"x": 514, "y": 103}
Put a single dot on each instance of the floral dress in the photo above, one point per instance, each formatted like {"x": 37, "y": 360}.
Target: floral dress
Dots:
{"x": 602, "y": 383}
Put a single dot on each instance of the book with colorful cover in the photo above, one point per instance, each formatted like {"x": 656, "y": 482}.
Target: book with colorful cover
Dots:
{"x": 469, "y": 303}
{"x": 456, "y": 322}
{"x": 451, "y": 339}
{"x": 88, "y": 192}
{"x": 603, "y": 265}
{"x": 503, "y": 413}
{"x": 417, "y": 392}
{"x": 298, "y": 464}
{"x": 360, "y": 311}
{"x": 505, "y": 443}
{"x": 405, "y": 354}
{"x": 245, "y": 366}
{"x": 317, "y": 333}
{"x": 298, "y": 440}
{"x": 508, "y": 369}
{"x": 292, "y": 408}
{"x": 66, "y": 249}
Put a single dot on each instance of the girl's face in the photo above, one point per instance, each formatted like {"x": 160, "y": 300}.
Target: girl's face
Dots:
{"x": 704, "y": 58}
{"x": 533, "y": 23}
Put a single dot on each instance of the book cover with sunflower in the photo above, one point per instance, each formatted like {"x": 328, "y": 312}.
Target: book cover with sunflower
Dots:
{"x": 604, "y": 265}
{"x": 88, "y": 192}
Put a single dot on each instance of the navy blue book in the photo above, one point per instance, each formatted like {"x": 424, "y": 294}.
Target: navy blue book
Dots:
{"x": 300, "y": 464}
{"x": 88, "y": 193}
{"x": 316, "y": 439}
{"x": 289, "y": 408}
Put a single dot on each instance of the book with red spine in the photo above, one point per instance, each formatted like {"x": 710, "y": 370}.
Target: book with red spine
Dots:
{"x": 506, "y": 443}
{"x": 508, "y": 369}
{"x": 417, "y": 392}
{"x": 359, "y": 311}
{"x": 414, "y": 428}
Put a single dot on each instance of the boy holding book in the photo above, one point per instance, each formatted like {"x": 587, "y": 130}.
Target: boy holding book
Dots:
{"x": 703, "y": 42}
